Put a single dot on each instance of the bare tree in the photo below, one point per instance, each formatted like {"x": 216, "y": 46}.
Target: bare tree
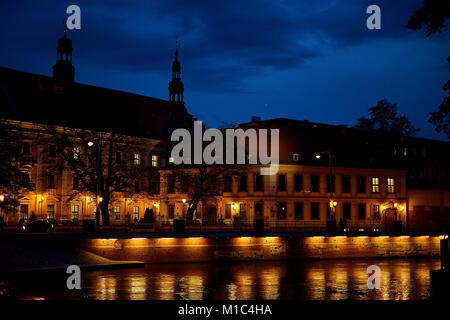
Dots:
{"x": 104, "y": 164}
{"x": 14, "y": 179}
{"x": 200, "y": 183}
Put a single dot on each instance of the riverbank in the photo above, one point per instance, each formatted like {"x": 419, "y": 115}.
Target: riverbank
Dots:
{"x": 244, "y": 248}
{"x": 21, "y": 256}
{"x": 39, "y": 252}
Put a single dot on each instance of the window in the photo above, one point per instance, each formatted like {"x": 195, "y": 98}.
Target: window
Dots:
{"x": 24, "y": 211}
{"x": 346, "y": 184}
{"x": 281, "y": 182}
{"x": 298, "y": 210}
{"x": 136, "y": 186}
{"x": 361, "y": 184}
{"x": 154, "y": 161}
{"x": 155, "y": 186}
{"x": 26, "y": 148}
{"x": 76, "y": 153}
{"x": 50, "y": 211}
{"x": 117, "y": 213}
{"x": 330, "y": 182}
{"x": 228, "y": 211}
{"x": 136, "y": 213}
{"x": 376, "y": 211}
{"x": 347, "y": 211}
{"x": 171, "y": 184}
{"x": 227, "y": 184}
{"x": 281, "y": 210}
{"x": 75, "y": 183}
{"x": 258, "y": 182}
{"x": 137, "y": 159}
{"x": 50, "y": 181}
{"x": 75, "y": 211}
{"x": 243, "y": 210}
{"x": 361, "y": 211}
{"x": 52, "y": 151}
{"x": 375, "y": 185}
{"x": 171, "y": 211}
{"x": 314, "y": 183}
{"x": 315, "y": 211}
{"x": 391, "y": 185}
{"x": 118, "y": 157}
{"x": 295, "y": 157}
{"x": 298, "y": 183}
{"x": 243, "y": 183}
{"x": 258, "y": 210}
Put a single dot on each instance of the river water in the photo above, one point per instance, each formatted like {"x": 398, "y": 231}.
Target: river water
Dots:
{"x": 401, "y": 279}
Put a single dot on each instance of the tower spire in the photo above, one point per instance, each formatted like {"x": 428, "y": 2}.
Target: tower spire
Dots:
{"x": 176, "y": 86}
{"x": 63, "y": 70}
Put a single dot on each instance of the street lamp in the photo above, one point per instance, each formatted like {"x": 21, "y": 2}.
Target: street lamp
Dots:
{"x": 332, "y": 204}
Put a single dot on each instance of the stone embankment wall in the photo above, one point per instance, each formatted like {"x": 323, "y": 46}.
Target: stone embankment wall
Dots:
{"x": 164, "y": 250}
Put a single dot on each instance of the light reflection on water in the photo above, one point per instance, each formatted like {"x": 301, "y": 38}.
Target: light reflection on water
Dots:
{"x": 401, "y": 279}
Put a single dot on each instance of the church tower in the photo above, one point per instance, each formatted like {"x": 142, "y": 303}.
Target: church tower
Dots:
{"x": 63, "y": 70}
{"x": 176, "y": 86}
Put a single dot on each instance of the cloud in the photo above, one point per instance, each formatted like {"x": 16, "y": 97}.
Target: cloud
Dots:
{"x": 221, "y": 42}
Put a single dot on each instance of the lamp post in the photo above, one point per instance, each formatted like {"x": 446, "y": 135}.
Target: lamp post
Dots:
{"x": 99, "y": 171}
{"x": 40, "y": 203}
{"x": 2, "y": 199}
{"x": 331, "y": 219}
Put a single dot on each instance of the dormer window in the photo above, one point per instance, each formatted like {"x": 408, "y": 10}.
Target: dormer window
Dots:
{"x": 26, "y": 148}
{"x": 295, "y": 157}
{"x": 76, "y": 153}
{"x": 137, "y": 159}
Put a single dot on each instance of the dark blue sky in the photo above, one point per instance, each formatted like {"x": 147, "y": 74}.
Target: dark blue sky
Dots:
{"x": 310, "y": 59}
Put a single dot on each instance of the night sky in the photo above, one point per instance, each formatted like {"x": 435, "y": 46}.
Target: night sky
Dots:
{"x": 311, "y": 59}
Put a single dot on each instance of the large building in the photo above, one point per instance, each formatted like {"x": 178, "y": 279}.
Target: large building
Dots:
{"x": 31, "y": 104}
{"x": 375, "y": 182}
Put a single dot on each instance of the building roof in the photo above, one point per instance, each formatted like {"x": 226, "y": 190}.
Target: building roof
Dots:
{"x": 35, "y": 98}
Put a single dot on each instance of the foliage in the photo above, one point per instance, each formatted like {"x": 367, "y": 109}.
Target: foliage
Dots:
{"x": 384, "y": 118}
{"x": 433, "y": 14}
{"x": 441, "y": 118}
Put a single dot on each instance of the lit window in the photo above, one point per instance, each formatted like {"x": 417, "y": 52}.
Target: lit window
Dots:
{"x": 391, "y": 185}
{"x": 154, "y": 161}
{"x": 295, "y": 157}
{"x": 136, "y": 213}
{"x": 375, "y": 185}
{"x": 376, "y": 211}
{"x": 76, "y": 152}
{"x": 51, "y": 211}
{"x": 137, "y": 159}
{"x": 117, "y": 212}
{"x": 75, "y": 211}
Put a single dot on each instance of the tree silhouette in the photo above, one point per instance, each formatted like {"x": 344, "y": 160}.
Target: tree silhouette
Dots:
{"x": 384, "y": 118}
{"x": 433, "y": 14}
{"x": 13, "y": 166}
{"x": 441, "y": 118}
{"x": 104, "y": 164}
